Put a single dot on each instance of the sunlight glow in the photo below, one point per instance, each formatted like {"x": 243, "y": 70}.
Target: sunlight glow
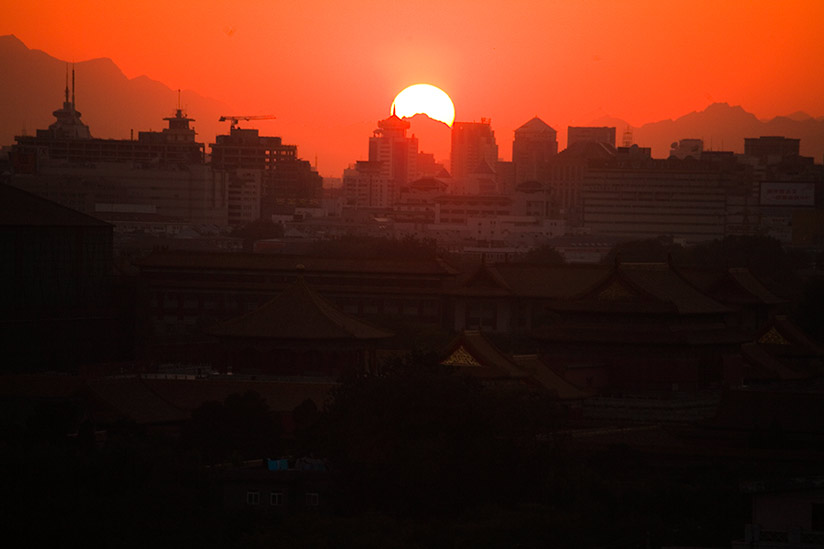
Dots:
{"x": 425, "y": 99}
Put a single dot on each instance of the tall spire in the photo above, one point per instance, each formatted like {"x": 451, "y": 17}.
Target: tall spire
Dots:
{"x": 67, "y": 83}
{"x": 72, "y": 85}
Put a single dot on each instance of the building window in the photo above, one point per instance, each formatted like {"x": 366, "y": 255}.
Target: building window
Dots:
{"x": 312, "y": 499}
{"x": 276, "y": 498}
{"x": 252, "y": 498}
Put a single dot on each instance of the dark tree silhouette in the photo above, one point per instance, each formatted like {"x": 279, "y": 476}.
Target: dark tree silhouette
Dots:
{"x": 421, "y": 439}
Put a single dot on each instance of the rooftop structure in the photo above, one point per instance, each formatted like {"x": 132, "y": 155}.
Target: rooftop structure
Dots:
{"x": 590, "y": 134}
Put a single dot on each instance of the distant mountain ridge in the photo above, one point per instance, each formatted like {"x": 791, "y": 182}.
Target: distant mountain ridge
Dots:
{"x": 33, "y": 83}
{"x": 111, "y": 104}
{"x": 724, "y": 127}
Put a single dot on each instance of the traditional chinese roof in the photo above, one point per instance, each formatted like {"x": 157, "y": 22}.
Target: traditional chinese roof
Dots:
{"x": 781, "y": 351}
{"x": 645, "y": 333}
{"x": 394, "y": 122}
{"x": 298, "y": 313}
{"x": 484, "y": 280}
{"x": 736, "y": 285}
{"x": 471, "y": 353}
{"x": 548, "y": 281}
{"x": 786, "y": 339}
{"x": 644, "y": 288}
{"x": 277, "y": 262}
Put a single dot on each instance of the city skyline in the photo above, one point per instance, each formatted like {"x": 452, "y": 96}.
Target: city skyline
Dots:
{"x": 328, "y": 87}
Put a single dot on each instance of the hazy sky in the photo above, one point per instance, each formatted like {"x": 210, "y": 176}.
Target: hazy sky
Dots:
{"x": 329, "y": 70}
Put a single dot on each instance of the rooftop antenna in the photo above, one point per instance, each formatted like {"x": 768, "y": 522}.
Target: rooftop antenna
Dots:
{"x": 72, "y": 85}
{"x": 67, "y": 82}
{"x": 178, "y": 99}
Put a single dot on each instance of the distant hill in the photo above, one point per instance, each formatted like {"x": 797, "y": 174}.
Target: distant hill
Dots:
{"x": 33, "y": 83}
{"x": 724, "y": 127}
{"x": 433, "y": 136}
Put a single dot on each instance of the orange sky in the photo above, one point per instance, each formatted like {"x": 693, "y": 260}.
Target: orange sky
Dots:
{"x": 329, "y": 70}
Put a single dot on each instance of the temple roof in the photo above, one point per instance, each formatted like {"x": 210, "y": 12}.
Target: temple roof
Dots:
{"x": 277, "y": 262}
{"x": 785, "y": 339}
{"x": 471, "y": 353}
{"x": 734, "y": 285}
{"x": 394, "y": 122}
{"x": 645, "y": 287}
{"x": 298, "y": 313}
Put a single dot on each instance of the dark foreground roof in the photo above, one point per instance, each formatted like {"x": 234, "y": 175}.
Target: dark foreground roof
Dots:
{"x": 276, "y": 262}
{"x": 19, "y": 208}
{"x": 298, "y": 313}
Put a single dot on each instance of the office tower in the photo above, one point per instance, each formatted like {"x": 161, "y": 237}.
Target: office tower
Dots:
{"x": 534, "y": 144}
{"x": 473, "y": 145}
{"x": 366, "y": 186}
{"x": 262, "y": 175}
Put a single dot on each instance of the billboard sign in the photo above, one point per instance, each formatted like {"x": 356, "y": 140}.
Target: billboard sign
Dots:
{"x": 787, "y": 194}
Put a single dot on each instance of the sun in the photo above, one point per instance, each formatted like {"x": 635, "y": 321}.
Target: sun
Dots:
{"x": 425, "y": 99}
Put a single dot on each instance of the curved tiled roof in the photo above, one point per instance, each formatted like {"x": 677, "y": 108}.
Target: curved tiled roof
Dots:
{"x": 276, "y": 262}
{"x": 646, "y": 287}
{"x": 298, "y": 313}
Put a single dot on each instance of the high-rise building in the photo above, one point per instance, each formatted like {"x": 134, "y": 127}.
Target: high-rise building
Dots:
{"x": 263, "y": 175}
{"x": 590, "y": 134}
{"x": 159, "y": 175}
{"x": 366, "y": 186}
{"x": 473, "y": 143}
{"x": 247, "y": 149}
{"x": 681, "y": 199}
{"x": 534, "y": 144}
{"x": 397, "y": 153}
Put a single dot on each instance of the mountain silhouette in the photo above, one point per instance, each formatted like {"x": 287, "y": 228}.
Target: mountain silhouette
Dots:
{"x": 724, "y": 127}
{"x": 433, "y": 136}
{"x": 112, "y": 105}
{"x": 33, "y": 85}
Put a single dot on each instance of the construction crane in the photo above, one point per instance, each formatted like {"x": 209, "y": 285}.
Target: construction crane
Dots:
{"x": 235, "y": 119}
